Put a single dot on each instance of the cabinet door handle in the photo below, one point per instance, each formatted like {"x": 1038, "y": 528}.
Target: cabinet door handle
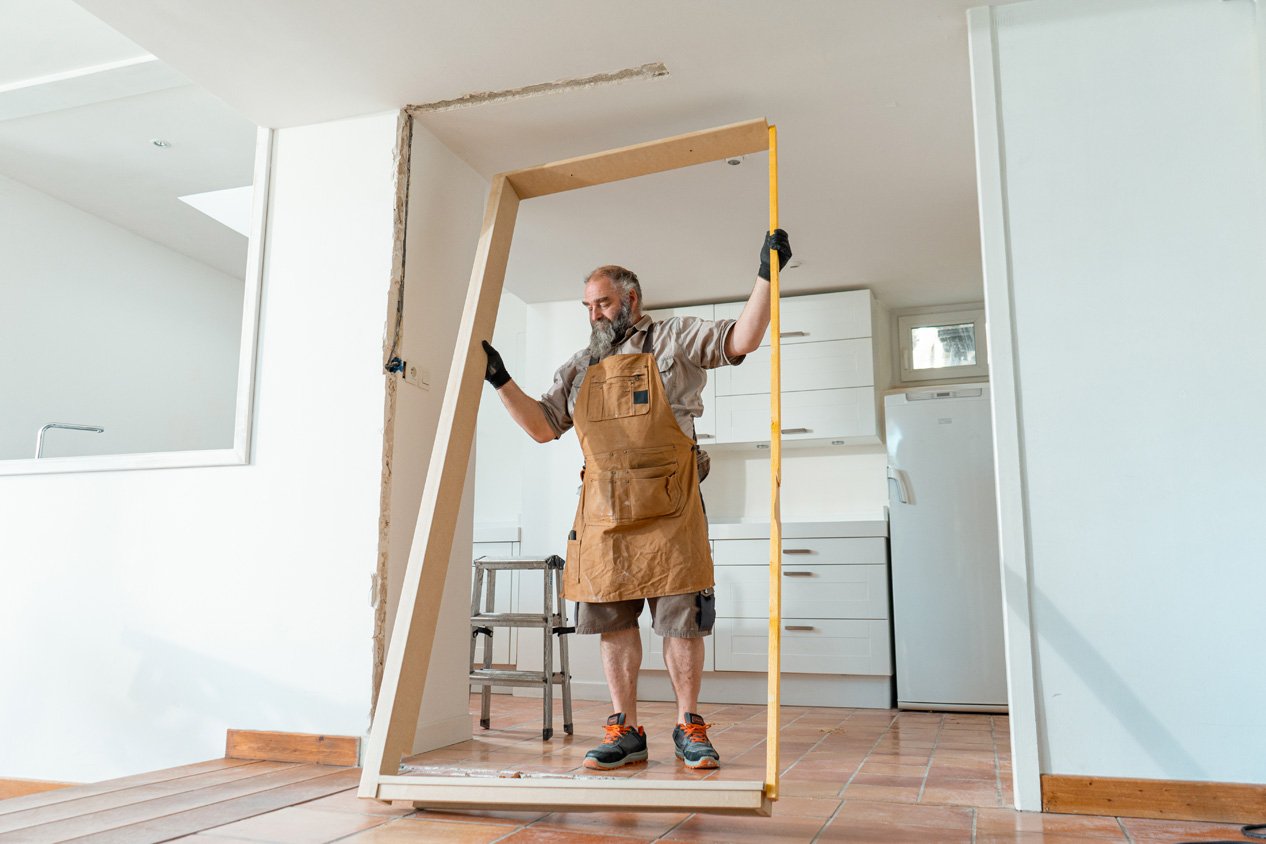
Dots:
{"x": 799, "y": 628}
{"x": 705, "y": 436}
{"x": 797, "y": 551}
{"x": 797, "y": 574}
{"x": 793, "y": 334}
{"x": 795, "y": 430}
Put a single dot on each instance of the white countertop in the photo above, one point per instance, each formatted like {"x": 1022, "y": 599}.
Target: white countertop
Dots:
{"x": 799, "y": 530}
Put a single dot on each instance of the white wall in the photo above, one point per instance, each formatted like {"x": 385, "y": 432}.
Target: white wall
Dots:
{"x": 143, "y": 613}
{"x": 103, "y": 327}
{"x": 446, "y": 203}
{"x": 1134, "y": 170}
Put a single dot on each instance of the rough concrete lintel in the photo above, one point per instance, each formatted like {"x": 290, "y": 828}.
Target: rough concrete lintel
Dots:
{"x": 653, "y": 70}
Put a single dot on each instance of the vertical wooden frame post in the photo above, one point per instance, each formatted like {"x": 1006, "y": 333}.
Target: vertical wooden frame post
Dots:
{"x": 775, "y": 490}
{"x": 413, "y": 636}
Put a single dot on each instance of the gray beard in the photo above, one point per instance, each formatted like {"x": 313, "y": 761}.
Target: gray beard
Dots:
{"x": 606, "y": 334}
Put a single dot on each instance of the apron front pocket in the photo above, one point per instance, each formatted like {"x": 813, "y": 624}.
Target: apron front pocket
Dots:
{"x": 624, "y": 496}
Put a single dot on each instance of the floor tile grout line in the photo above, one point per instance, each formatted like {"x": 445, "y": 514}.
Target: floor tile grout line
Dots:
{"x": 844, "y": 787}
{"x": 997, "y": 767}
{"x": 940, "y": 727}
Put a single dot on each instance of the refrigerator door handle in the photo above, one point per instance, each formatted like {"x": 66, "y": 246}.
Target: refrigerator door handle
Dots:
{"x": 903, "y": 488}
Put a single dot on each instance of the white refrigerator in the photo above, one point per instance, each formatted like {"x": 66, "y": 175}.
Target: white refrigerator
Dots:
{"x": 943, "y": 535}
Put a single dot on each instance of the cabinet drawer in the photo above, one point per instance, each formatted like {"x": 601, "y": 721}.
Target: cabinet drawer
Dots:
{"x": 817, "y": 551}
{"x": 812, "y": 415}
{"x": 826, "y": 647}
{"x": 807, "y": 366}
{"x": 818, "y": 316}
{"x": 808, "y": 591}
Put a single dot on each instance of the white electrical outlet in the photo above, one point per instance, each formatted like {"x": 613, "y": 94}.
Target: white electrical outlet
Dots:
{"x": 417, "y": 376}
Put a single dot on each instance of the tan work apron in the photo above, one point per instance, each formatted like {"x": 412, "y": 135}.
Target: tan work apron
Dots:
{"x": 640, "y": 529}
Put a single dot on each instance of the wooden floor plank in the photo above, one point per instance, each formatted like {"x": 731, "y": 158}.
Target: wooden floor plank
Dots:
{"x": 134, "y": 813}
{"x": 228, "y": 811}
{"x": 75, "y": 792}
{"x": 136, "y": 794}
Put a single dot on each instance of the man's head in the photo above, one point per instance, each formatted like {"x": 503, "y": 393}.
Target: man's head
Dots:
{"x": 613, "y": 298}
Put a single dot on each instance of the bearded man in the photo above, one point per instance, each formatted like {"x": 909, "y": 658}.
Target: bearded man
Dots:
{"x": 640, "y": 535}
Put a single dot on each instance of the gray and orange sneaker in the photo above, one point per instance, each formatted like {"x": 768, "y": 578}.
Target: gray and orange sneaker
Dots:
{"x": 620, "y": 746}
{"x": 693, "y": 746}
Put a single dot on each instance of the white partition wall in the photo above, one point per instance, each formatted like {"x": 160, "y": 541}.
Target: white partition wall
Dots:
{"x": 1123, "y": 197}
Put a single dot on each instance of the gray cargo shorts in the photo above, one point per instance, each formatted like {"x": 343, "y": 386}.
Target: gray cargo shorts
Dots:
{"x": 688, "y": 616}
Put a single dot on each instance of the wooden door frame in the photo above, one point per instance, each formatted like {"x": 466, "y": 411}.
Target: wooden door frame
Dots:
{"x": 404, "y": 670}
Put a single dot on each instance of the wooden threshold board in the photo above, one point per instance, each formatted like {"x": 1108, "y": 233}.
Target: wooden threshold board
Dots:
{"x": 21, "y": 788}
{"x": 1219, "y": 802}
{"x": 547, "y": 794}
{"x": 78, "y": 792}
{"x": 293, "y": 747}
{"x": 147, "y": 805}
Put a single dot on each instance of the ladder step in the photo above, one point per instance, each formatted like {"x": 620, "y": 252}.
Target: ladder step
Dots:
{"x": 511, "y": 619}
{"x": 505, "y": 677}
{"x": 512, "y": 563}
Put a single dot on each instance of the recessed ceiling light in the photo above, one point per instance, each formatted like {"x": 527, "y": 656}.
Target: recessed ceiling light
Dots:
{"x": 734, "y": 161}
{"x": 160, "y": 143}
{"x": 794, "y": 264}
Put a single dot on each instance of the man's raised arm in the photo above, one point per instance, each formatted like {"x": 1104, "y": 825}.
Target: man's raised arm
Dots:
{"x": 744, "y": 338}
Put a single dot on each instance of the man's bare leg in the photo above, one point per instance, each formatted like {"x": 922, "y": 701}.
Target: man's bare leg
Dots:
{"x": 684, "y": 658}
{"x": 621, "y": 660}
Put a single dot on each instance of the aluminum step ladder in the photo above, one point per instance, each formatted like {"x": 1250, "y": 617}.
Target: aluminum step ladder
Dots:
{"x": 552, "y": 621}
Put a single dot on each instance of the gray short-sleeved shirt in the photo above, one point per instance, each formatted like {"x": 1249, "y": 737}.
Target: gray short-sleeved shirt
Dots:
{"x": 685, "y": 347}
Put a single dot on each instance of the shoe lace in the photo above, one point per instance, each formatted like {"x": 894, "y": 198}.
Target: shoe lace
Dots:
{"x": 696, "y": 732}
{"x": 614, "y": 733}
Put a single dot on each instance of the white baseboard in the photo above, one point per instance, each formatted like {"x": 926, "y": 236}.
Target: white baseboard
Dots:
{"x": 743, "y": 687}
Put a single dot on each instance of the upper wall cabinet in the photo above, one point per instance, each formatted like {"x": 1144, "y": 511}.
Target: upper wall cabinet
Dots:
{"x": 816, "y": 318}
{"x": 831, "y": 377}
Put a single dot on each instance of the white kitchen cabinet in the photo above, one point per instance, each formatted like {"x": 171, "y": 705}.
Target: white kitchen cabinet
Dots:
{"x": 816, "y": 317}
{"x": 829, "y": 365}
{"x": 835, "y": 600}
{"x": 815, "y": 550}
{"x": 834, "y": 368}
{"x": 809, "y": 646}
{"x": 808, "y": 591}
{"x": 847, "y": 415}
{"x": 705, "y": 425}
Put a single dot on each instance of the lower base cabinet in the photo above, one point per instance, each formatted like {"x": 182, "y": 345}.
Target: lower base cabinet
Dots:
{"x": 809, "y": 646}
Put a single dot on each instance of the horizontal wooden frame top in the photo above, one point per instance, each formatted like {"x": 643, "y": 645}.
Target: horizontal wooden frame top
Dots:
{"x": 413, "y": 636}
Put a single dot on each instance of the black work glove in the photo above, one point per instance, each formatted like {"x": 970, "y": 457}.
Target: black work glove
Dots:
{"x": 777, "y": 240}
{"x": 495, "y": 374}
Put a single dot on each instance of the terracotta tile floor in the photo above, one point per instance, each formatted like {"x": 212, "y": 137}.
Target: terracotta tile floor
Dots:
{"x": 855, "y": 775}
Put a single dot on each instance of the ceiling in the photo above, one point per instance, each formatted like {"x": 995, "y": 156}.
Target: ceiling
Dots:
{"x": 80, "y": 106}
{"x": 871, "y": 97}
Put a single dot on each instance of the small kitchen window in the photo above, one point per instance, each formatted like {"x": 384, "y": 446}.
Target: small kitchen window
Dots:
{"x": 943, "y": 345}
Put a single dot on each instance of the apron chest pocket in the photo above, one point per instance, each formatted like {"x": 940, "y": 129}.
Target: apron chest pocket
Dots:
{"x": 623, "y": 496}
{"x": 623, "y": 392}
